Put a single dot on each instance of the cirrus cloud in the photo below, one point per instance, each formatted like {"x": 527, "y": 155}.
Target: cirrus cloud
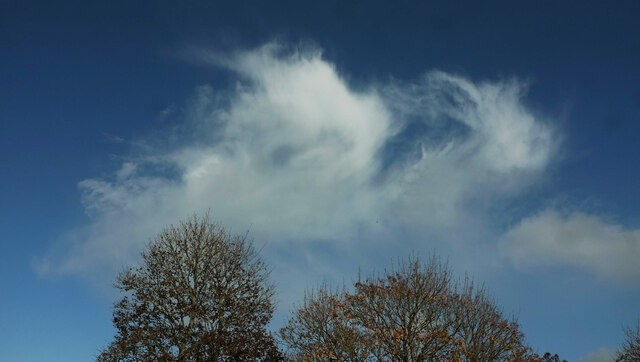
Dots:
{"x": 297, "y": 153}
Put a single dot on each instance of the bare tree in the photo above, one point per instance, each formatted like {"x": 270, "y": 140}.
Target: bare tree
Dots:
{"x": 199, "y": 294}
{"x": 413, "y": 313}
{"x": 630, "y": 350}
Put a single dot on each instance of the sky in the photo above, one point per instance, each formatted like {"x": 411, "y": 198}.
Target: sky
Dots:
{"x": 502, "y": 136}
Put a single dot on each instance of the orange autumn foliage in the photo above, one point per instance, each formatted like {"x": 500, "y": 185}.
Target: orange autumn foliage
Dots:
{"x": 415, "y": 312}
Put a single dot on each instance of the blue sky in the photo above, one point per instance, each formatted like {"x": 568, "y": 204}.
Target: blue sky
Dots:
{"x": 503, "y": 136}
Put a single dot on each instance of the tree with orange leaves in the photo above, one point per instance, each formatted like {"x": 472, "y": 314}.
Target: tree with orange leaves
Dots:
{"x": 415, "y": 312}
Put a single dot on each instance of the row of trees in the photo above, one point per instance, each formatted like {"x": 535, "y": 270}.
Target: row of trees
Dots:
{"x": 201, "y": 294}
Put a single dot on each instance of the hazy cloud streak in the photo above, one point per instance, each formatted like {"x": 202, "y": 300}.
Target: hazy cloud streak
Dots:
{"x": 577, "y": 239}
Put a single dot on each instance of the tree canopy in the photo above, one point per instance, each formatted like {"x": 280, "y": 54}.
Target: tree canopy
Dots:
{"x": 412, "y": 313}
{"x": 199, "y": 294}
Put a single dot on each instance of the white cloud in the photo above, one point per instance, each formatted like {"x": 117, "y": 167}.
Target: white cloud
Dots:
{"x": 297, "y": 154}
{"x": 501, "y": 151}
{"x": 603, "y": 354}
{"x": 577, "y": 239}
